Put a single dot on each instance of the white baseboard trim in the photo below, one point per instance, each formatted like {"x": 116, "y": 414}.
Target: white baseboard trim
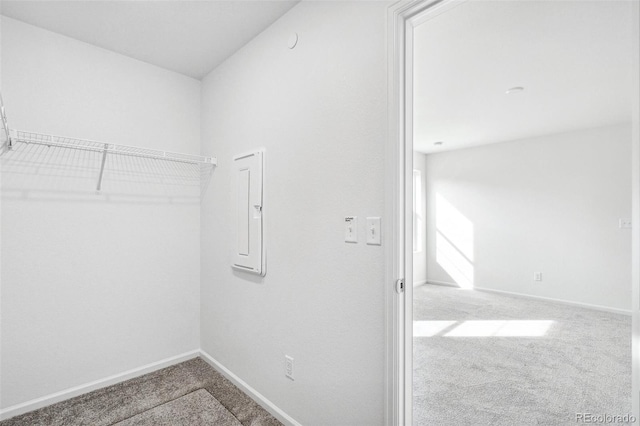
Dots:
{"x": 254, "y": 394}
{"x": 34, "y": 404}
{"x": 562, "y": 301}
{"x": 444, "y": 283}
{"x": 419, "y": 283}
{"x": 547, "y": 299}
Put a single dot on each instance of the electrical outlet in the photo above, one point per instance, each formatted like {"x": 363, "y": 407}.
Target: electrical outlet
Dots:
{"x": 537, "y": 276}
{"x": 288, "y": 367}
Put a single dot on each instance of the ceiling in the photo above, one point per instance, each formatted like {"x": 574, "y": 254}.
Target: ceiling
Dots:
{"x": 572, "y": 58}
{"x": 189, "y": 37}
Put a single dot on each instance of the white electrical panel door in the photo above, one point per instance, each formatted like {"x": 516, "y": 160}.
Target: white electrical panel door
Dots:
{"x": 248, "y": 252}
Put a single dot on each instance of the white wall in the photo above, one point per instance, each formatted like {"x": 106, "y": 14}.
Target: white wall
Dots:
{"x": 549, "y": 204}
{"x": 320, "y": 112}
{"x": 420, "y": 256}
{"x": 93, "y": 285}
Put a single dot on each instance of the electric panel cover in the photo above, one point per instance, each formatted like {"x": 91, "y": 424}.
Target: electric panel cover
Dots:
{"x": 248, "y": 252}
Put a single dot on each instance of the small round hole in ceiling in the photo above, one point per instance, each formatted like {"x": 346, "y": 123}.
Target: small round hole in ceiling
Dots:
{"x": 293, "y": 40}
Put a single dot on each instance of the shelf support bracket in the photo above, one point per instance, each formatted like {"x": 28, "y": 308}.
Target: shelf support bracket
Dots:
{"x": 104, "y": 159}
{"x": 5, "y": 125}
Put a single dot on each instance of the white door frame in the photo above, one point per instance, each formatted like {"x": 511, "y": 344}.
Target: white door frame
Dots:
{"x": 634, "y": 16}
{"x": 403, "y": 17}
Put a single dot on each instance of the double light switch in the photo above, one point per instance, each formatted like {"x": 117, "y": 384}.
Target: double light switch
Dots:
{"x": 373, "y": 231}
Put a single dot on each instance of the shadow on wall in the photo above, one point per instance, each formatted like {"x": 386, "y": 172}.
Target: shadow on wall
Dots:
{"x": 454, "y": 243}
{"x": 40, "y": 172}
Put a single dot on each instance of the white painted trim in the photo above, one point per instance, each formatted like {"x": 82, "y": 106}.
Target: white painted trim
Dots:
{"x": 634, "y": 16}
{"x": 53, "y": 398}
{"x": 543, "y": 298}
{"x": 562, "y": 301}
{"x": 272, "y": 408}
{"x": 419, "y": 283}
{"x": 443, "y": 283}
{"x": 394, "y": 406}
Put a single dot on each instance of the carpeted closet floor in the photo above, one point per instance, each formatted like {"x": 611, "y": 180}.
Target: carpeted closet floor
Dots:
{"x": 188, "y": 394}
{"x": 487, "y": 359}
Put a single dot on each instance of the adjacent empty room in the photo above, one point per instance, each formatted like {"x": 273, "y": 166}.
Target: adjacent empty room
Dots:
{"x": 522, "y": 213}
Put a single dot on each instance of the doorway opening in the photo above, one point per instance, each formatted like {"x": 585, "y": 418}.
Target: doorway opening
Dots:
{"x": 518, "y": 129}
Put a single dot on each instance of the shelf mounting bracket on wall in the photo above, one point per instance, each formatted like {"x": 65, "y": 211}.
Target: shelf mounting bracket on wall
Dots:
{"x": 5, "y": 125}
{"x": 104, "y": 160}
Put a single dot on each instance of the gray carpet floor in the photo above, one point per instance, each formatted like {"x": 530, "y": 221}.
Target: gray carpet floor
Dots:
{"x": 487, "y": 359}
{"x": 190, "y": 393}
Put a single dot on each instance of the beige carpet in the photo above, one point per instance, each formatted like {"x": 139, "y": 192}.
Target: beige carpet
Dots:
{"x": 189, "y": 393}
{"x": 487, "y": 359}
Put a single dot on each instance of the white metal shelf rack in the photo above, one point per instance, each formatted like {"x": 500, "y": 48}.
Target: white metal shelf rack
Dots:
{"x": 11, "y": 139}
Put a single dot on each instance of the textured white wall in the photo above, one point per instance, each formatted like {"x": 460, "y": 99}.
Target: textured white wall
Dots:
{"x": 93, "y": 285}
{"x": 320, "y": 112}
{"x": 420, "y": 257}
{"x": 549, "y": 204}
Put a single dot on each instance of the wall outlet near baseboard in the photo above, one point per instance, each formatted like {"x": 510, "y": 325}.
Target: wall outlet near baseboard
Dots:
{"x": 537, "y": 276}
{"x": 288, "y": 367}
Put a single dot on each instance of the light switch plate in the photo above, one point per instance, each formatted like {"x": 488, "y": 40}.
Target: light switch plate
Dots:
{"x": 351, "y": 229}
{"x": 374, "y": 231}
{"x": 624, "y": 223}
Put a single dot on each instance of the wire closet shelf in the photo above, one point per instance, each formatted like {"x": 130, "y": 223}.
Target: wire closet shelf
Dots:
{"x": 11, "y": 139}
{"x": 106, "y": 148}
